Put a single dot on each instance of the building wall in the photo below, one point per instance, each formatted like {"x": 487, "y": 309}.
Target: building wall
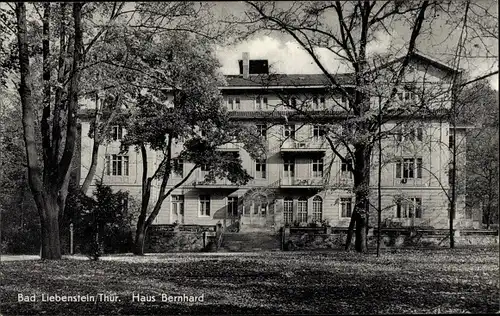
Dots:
{"x": 431, "y": 187}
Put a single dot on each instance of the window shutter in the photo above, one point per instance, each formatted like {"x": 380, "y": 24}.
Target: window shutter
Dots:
{"x": 398, "y": 169}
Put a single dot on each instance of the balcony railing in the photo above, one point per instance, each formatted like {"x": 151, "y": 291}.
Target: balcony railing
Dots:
{"x": 303, "y": 146}
{"x": 229, "y": 147}
{"x": 301, "y": 182}
{"x": 217, "y": 184}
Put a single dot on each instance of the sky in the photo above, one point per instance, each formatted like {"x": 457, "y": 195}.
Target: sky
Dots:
{"x": 286, "y": 56}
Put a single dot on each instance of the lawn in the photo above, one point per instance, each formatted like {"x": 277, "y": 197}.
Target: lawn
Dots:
{"x": 408, "y": 281}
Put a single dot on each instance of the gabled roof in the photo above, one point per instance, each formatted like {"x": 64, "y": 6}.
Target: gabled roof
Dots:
{"x": 314, "y": 80}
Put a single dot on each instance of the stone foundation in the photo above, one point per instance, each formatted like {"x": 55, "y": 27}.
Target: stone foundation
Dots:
{"x": 160, "y": 241}
{"x": 308, "y": 241}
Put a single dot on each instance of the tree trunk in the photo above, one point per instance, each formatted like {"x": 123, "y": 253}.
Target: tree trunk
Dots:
{"x": 92, "y": 169}
{"x": 51, "y": 248}
{"x": 350, "y": 232}
{"x": 140, "y": 237}
{"x": 361, "y": 229}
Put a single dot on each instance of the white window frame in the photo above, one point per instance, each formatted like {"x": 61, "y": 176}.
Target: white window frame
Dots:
{"x": 122, "y": 165}
{"x": 178, "y": 205}
{"x": 202, "y": 200}
{"x": 233, "y": 201}
{"x": 302, "y": 211}
{"x": 319, "y": 165}
{"x": 344, "y": 201}
{"x": 345, "y": 173}
{"x": 413, "y": 165}
{"x": 237, "y": 103}
{"x": 262, "y": 173}
{"x": 409, "y": 134}
{"x": 409, "y": 207}
{"x": 117, "y": 132}
{"x": 317, "y": 208}
{"x": 318, "y": 132}
{"x": 288, "y": 210}
{"x": 230, "y": 103}
{"x": 261, "y": 102}
{"x": 289, "y": 168}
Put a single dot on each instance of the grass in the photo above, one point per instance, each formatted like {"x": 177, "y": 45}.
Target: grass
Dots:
{"x": 416, "y": 281}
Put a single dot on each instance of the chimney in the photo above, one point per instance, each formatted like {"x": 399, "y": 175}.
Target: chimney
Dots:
{"x": 246, "y": 65}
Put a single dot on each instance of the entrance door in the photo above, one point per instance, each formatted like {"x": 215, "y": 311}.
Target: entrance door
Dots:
{"x": 177, "y": 210}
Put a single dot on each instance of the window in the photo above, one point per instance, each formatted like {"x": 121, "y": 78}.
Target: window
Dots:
{"x": 232, "y": 206}
{"x": 289, "y": 168}
{"x": 260, "y": 168}
{"x": 345, "y": 207}
{"x": 289, "y": 130}
{"x": 117, "y": 132}
{"x": 262, "y": 129}
{"x": 318, "y": 132}
{"x": 117, "y": 165}
{"x": 178, "y": 168}
{"x": 409, "y": 208}
{"x": 405, "y": 95}
{"x": 317, "y": 209}
{"x": 409, "y": 134}
{"x": 408, "y": 167}
{"x": 288, "y": 210}
{"x": 204, "y": 205}
{"x": 177, "y": 205}
{"x": 302, "y": 210}
{"x": 260, "y": 103}
{"x": 318, "y": 102}
{"x": 345, "y": 169}
{"x": 317, "y": 166}
{"x": 451, "y": 141}
{"x": 344, "y": 101}
{"x": 468, "y": 212}
{"x": 233, "y": 103}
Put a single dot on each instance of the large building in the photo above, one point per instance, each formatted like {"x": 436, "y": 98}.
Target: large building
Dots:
{"x": 301, "y": 179}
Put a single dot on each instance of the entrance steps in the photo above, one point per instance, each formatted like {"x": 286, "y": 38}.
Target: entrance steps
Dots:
{"x": 250, "y": 241}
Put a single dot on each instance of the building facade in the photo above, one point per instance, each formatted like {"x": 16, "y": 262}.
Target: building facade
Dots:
{"x": 300, "y": 179}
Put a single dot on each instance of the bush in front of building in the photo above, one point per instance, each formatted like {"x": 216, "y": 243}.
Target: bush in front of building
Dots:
{"x": 101, "y": 223}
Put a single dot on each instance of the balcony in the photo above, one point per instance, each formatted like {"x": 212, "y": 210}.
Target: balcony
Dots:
{"x": 230, "y": 147}
{"x": 304, "y": 147}
{"x": 218, "y": 184}
{"x": 301, "y": 183}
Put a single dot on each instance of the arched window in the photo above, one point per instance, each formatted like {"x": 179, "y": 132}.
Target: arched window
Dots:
{"x": 302, "y": 210}
{"x": 317, "y": 208}
{"x": 288, "y": 210}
